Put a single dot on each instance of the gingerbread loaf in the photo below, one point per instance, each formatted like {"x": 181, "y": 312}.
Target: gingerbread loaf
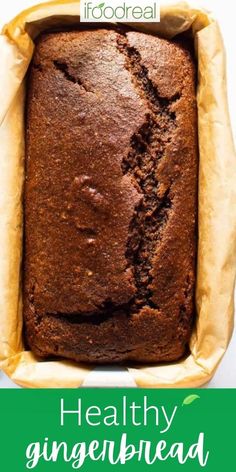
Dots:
{"x": 110, "y": 201}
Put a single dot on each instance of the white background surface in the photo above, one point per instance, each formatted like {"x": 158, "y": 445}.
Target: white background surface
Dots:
{"x": 223, "y": 11}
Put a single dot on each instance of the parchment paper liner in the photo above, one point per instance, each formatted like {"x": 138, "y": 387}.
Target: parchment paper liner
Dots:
{"x": 217, "y": 202}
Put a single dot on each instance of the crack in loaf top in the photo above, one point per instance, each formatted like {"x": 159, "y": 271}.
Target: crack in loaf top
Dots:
{"x": 104, "y": 192}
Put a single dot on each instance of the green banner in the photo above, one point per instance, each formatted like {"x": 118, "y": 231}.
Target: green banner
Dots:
{"x": 106, "y": 429}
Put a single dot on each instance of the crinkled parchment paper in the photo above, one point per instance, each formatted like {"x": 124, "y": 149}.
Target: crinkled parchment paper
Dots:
{"x": 217, "y": 202}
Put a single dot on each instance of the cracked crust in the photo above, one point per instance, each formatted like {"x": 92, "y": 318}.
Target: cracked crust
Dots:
{"x": 110, "y": 197}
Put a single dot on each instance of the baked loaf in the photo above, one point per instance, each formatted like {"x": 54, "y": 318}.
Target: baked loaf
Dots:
{"x": 110, "y": 197}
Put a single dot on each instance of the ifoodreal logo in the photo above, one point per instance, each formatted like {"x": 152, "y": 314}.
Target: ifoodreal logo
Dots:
{"x": 95, "y": 11}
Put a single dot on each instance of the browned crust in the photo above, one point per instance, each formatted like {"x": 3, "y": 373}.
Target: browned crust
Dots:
{"x": 110, "y": 197}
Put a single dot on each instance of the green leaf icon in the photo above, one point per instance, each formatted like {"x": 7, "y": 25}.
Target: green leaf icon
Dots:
{"x": 190, "y": 399}
{"x": 101, "y": 5}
